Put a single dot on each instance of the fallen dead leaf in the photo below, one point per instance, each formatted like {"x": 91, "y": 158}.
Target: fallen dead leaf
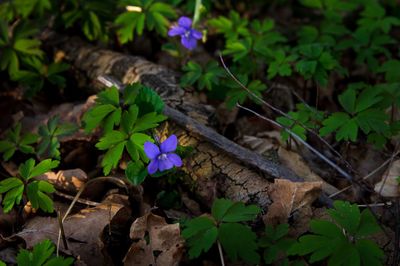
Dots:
{"x": 83, "y": 231}
{"x": 164, "y": 240}
{"x": 287, "y": 197}
{"x": 295, "y": 162}
{"x": 389, "y": 184}
{"x": 66, "y": 180}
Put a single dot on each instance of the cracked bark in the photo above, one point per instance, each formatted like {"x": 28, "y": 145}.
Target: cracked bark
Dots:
{"x": 219, "y": 167}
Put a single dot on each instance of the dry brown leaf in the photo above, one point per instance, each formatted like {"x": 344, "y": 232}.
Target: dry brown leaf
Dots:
{"x": 164, "y": 239}
{"x": 288, "y": 196}
{"x": 66, "y": 180}
{"x": 389, "y": 184}
{"x": 83, "y": 231}
{"x": 295, "y": 162}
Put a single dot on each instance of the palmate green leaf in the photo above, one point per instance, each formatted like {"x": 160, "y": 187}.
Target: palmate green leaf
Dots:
{"x": 192, "y": 75}
{"x": 224, "y": 210}
{"x": 13, "y": 189}
{"x": 43, "y": 167}
{"x": 110, "y": 139}
{"x": 128, "y": 119}
{"x": 340, "y": 243}
{"x": 28, "y": 46}
{"x": 319, "y": 246}
{"x": 50, "y": 133}
{"x": 112, "y": 157}
{"x": 148, "y": 101}
{"x": 346, "y": 127}
{"x": 136, "y": 173}
{"x": 239, "y": 241}
{"x": 135, "y": 146}
{"x": 42, "y": 255}
{"x": 389, "y": 69}
{"x": 14, "y": 141}
{"x": 28, "y": 169}
{"x": 95, "y": 115}
{"x": 238, "y": 49}
{"x": 148, "y": 121}
{"x": 200, "y": 234}
{"x": 37, "y": 194}
{"x": 205, "y": 78}
{"x": 373, "y": 120}
{"x": 275, "y": 243}
{"x": 348, "y": 100}
{"x": 370, "y": 253}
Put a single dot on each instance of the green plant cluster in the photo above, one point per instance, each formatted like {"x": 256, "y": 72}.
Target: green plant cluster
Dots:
{"x": 343, "y": 240}
{"x": 42, "y": 254}
{"x": 26, "y": 188}
{"x": 127, "y": 123}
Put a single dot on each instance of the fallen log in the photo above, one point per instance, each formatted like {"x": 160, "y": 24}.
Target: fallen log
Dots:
{"x": 219, "y": 167}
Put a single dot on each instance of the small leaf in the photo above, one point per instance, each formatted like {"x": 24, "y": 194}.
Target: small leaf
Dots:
{"x": 239, "y": 242}
{"x": 200, "y": 234}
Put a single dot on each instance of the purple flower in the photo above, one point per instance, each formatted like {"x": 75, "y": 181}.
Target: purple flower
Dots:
{"x": 189, "y": 36}
{"x": 162, "y": 158}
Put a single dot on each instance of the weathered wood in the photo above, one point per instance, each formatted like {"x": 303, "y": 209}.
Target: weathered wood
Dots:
{"x": 219, "y": 167}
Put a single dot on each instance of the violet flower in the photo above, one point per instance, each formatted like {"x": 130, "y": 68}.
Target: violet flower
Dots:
{"x": 162, "y": 158}
{"x": 189, "y": 36}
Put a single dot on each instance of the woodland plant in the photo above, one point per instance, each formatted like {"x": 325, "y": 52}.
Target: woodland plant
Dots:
{"x": 345, "y": 53}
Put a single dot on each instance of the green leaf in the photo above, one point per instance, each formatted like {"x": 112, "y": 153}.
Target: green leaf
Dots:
{"x": 239, "y": 241}
{"x": 346, "y": 215}
{"x": 348, "y": 100}
{"x": 136, "y": 172}
{"x": 148, "y": 121}
{"x": 43, "y": 167}
{"x": 370, "y": 253}
{"x": 200, "y": 234}
{"x": 148, "y": 101}
{"x": 112, "y": 157}
{"x": 42, "y": 254}
{"x": 26, "y": 168}
{"x": 334, "y": 122}
{"x": 368, "y": 225}
{"x": 110, "y": 139}
{"x": 224, "y": 210}
{"x": 28, "y": 46}
{"x": 95, "y": 115}
{"x": 14, "y": 188}
{"x": 129, "y": 118}
{"x": 36, "y": 192}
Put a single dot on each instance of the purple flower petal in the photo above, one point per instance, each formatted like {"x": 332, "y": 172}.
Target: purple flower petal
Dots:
{"x": 177, "y": 30}
{"x": 152, "y": 167}
{"x": 175, "y": 159}
{"x": 169, "y": 145}
{"x": 165, "y": 164}
{"x": 151, "y": 150}
{"x": 185, "y": 22}
{"x": 189, "y": 43}
{"x": 196, "y": 34}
